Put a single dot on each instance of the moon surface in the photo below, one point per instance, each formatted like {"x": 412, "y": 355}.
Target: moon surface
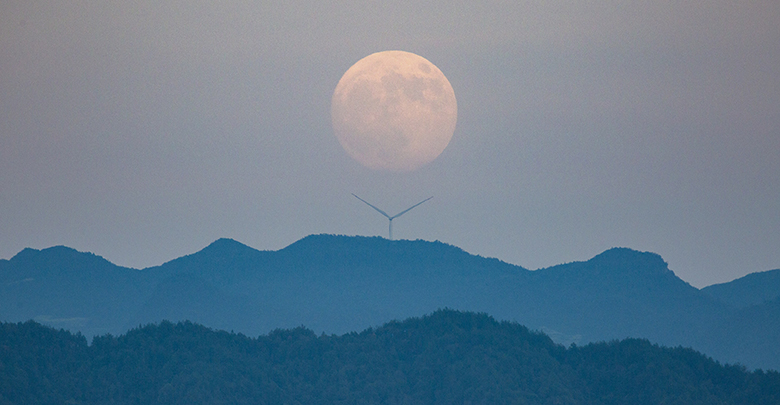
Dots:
{"x": 394, "y": 111}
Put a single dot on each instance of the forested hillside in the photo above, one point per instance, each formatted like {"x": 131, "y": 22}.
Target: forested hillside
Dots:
{"x": 337, "y": 284}
{"x": 444, "y": 358}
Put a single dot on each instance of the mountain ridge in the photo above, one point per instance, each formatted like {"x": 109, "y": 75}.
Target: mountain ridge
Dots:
{"x": 337, "y": 284}
{"x": 754, "y": 288}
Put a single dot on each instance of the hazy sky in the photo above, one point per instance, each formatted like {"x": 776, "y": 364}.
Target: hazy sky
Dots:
{"x": 142, "y": 131}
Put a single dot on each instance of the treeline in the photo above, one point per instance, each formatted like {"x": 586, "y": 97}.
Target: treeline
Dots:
{"x": 448, "y": 357}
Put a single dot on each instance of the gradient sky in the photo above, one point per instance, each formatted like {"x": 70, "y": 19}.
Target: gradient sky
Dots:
{"x": 142, "y": 131}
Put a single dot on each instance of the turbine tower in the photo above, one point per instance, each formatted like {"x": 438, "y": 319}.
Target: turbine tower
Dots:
{"x": 391, "y": 218}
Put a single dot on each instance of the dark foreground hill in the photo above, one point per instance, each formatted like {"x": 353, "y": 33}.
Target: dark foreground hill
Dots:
{"x": 339, "y": 284}
{"x": 445, "y": 358}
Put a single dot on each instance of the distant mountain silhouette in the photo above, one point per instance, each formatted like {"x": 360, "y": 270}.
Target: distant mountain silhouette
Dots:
{"x": 753, "y": 289}
{"x": 339, "y": 284}
{"x": 65, "y": 288}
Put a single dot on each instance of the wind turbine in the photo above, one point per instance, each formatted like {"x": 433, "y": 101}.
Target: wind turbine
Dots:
{"x": 391, "y": 218}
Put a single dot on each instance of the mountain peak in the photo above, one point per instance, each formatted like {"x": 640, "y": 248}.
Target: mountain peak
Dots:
{"x": 631, "y": 260}
{"x": 623, "y": 267}
{"x": 56, "y": 254}
{"x": 329, "y": 241}
{"x": 226, "y": 246}
{"x": 376, "y": 247}
{"x": 223, "y": 250}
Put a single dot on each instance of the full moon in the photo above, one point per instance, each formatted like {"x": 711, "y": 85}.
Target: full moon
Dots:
{"x": 394, "y": 111}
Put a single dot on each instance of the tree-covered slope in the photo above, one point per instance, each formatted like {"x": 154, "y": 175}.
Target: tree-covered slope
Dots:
{"x": 444, "y": 358}
{"x": 339, "y": 284}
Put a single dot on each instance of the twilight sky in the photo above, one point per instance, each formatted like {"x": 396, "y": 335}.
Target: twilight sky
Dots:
{"x": 142, "y": 131}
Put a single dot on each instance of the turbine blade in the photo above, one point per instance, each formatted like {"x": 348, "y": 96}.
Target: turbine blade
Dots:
{"x": 369, "y": 204}
{"x": 409, "y": 209}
